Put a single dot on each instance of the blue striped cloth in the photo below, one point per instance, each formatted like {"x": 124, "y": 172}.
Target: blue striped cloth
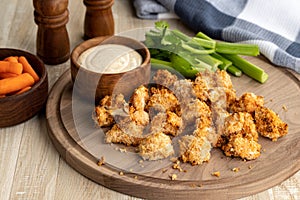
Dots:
{"x": 274, "y": 25}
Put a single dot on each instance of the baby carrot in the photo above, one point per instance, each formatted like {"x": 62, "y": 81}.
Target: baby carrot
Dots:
{"x": 25, "y": 89}
{"x": 12, "y": 59}
{"x": 28, "y": 68}
{"x": 9, "y": 85}
{"x": 6, "y": 66}
{"x": 7, "y": 75}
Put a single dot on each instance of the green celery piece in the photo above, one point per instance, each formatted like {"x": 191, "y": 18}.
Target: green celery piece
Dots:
{"x": 237, "y": 48}
{"x": 234, "y": 70}
{"x": 248, "y": 68}
{"x": 210, "y": 44}
{"x": 149, "y": 42}
{"x": 169, "y": 38}
{"x": 197, "y": 62}
{"x": 233, "y": 48}
{"x": 160, "y": 54}
{"x": 203, "y": 36}
{"x": 196, "y": 51}
{"x": 225, "y": 62}
{"x": 183, "y": 66}
{"x": 181, "y": 35}
{"x": 210, "y": 60}
{"x": 162, "y": 62}
{"x": 161, "y": 24}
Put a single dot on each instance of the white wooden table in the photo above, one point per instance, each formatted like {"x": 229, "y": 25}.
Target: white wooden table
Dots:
{"x": 30, "y": 167}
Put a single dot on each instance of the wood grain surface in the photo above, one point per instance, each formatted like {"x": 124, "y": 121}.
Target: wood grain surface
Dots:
{"x": 30, "y": 166}
{"x": 81, "y": 144}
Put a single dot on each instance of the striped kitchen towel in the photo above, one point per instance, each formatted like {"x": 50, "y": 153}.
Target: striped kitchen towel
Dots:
{"x": 274, "y": 25}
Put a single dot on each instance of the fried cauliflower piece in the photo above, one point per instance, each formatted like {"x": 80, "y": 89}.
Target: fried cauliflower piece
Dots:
{"x": 269, "y": 124}
{"x": 105, "y": 111}
{"x": 183, "y": 90}
{"x": 164, "y": 78}
{"x": 156, "y": 146}
{"x": 240, "y": 138}
{"x": 200, "y": 89}
{"x": 139, "y": 98}
{"x": 103, "y": 116}
{"x": 169, "y": 123}
{"x": 138, "y": 102}
{"x": 194, "y": 110}
{"x": 140, "y": 117}
{"x": 218, "y": 86}
{"x": 240, "y": 124}
{"x": 248, "y": 102}
{"x": 162, "y": 100}
{"x": 194, "y": 150}
{"x": 241, "y": 147}
{"x": 125, "y": 132}
{"x": 223, "y": 79}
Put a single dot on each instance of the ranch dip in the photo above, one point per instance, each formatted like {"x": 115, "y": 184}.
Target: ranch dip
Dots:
{"x": 110, "y": 58}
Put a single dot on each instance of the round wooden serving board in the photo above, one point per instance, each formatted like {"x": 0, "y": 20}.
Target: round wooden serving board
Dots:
{"x": 80, "y": 143}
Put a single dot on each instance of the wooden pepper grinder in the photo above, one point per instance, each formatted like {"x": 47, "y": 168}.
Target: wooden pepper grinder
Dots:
{"x": 98, "y": 18}
{"x": 52, "y": 43}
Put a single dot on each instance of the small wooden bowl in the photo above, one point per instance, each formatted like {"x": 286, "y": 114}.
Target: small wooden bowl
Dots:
{"x": 94, "y": 86}
{"x": 15, "y": 109}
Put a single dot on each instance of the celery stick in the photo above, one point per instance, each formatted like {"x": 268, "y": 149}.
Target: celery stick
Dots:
{"x": 237, "y": 48}
{"x": 233, "y": 48}
{"x": 158, "y": 66}
{"x": 234, "y": 70}
{"x": 248, "y": 68}
{"x": 210, "y": 60}
{"x": 196, "y": 51}
{"x": 181, "y": 35}
{"x": 225, "y": 62}
{"x": 203, "y": 36}
{"x": 210, "y": 44}
{"x": 162, "y": 62}
{"x": 184, "y": 67}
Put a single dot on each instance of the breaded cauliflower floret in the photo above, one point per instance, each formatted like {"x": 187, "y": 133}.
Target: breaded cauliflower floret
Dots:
{"x": 156, "y": 146}
{"x": 141, "y": 117}
{"x": 168, "y": 123}
{"x": 103, "y": 116}
{"x": 208, "y": 78}
{"x": 184, "y": 91}
{"x": 240, "y": 137}
{"x": 194, "y": 150}
{"x": 194, "y": 110}
{"x": 248, "y": 102}
{"x": 242, "y": 147}
{"x": 223, "y": 79}
{"x": 138, "y": 102}
{"x": 218, "y": 86}
{"x": 104, "y": 112}
{"x": 200, "y": 88}
{"x": 125, "y": 132}
{"x": 240, "y": 124}
{"x": 269, "y": 124}
{"x": 219, "y": 117}
{"x": 164, "y": 78}
{"x": 139, "y": 98}
{"x": 162, "y": 100}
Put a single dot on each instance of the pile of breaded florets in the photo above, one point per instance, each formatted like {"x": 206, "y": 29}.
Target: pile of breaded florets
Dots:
{"x": 203, "y": 113}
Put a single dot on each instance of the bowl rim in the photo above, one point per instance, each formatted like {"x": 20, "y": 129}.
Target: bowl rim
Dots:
{"x": 96, "y": 41}
{"x": 43, "y": 76}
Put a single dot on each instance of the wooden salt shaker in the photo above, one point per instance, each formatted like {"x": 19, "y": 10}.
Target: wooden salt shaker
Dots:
{"x": 98, "y": 18}
{"x": 52, "y": 43}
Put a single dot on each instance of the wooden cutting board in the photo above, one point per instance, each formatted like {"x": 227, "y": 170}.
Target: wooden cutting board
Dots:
{"x": 80, "y": 143}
